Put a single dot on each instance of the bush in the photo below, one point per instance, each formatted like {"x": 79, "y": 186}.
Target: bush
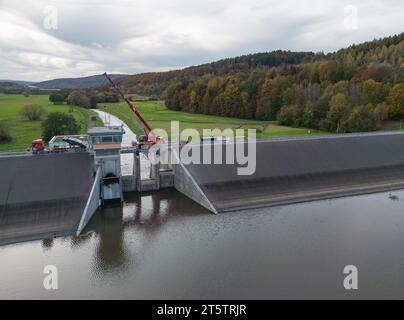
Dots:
{"x": 340, "y": 109}
{"x": 312, "y": 114}
{"x": 57, "y": 98}
{"x": 4, "y": 136}
{"x": 82, "y": 99}
{"x": 396, "y": 99}
{"x": 57, "y": 124}
{"x": 382, "y": 111}
{"x": 290, "y": 116}
{"x": 362, "y": 119}
{"x": 33, "y": 112}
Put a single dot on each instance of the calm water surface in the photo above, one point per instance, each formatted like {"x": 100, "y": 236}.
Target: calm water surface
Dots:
{"x": 164, "y": 246}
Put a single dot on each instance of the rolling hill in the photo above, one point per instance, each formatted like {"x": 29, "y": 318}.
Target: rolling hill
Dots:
{"x": 76, "y": 83}
{"x": 155, "y": 83}
{"x": 355, "y": 89}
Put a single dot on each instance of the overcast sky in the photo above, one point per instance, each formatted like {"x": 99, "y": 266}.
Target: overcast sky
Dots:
{"x": 123, "y": 36}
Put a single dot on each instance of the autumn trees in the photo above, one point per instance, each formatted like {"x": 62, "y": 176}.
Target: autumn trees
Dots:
{"x": 352, "y": 90}
{"x": 362, "y": 119}
{"x": 396, "y": 100}
{"x": 374, "y": 92}
{"x": 79, "y": 99}
{"x": 84, "y": 98}
{"x": 329, "y": 106}
{"x": 159, "y": 83}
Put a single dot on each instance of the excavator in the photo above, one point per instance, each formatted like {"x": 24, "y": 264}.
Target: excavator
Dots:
{"x": 149, "y": 139}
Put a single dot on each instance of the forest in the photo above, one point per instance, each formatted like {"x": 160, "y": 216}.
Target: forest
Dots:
{"x": 352, "y": 90}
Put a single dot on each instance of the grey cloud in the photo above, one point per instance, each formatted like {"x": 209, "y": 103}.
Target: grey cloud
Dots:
{"x": 150, "y": 35}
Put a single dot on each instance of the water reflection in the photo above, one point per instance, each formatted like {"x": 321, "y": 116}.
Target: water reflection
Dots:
{"x": 142, "y": 215}
{"x": 164, "y": 246}
{"x": 110, "y": 254}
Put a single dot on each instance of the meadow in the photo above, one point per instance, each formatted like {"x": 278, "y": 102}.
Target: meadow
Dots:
{"x": 23, "y": 131}
{"x": 158, "y": 116}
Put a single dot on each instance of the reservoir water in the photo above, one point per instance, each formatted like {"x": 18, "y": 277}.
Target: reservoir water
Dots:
{"x": 164, "y": 246}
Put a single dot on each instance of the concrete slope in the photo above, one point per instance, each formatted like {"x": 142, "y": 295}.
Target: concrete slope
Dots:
{"x": 56, "y": 219}
{"x": 43, "y": 196}
{"x": 185, "y": 183}
{"x": 38, "y": 178}
{"x": 295, "y": 170}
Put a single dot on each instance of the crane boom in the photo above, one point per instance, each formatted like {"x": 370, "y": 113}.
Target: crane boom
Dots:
{"x": 147, "y": 128}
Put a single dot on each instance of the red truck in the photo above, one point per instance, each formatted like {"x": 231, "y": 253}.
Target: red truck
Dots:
{"x": 38, "y": 146}
{"x": 61, "y": 144}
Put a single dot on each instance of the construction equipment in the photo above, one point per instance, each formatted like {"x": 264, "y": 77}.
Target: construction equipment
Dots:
{"x": 61, "y": 144}
{"x": 146, "y": 141}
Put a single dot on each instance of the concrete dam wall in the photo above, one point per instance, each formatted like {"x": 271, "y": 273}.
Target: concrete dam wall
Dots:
{"x": 296, "y": 170}
{"x": 38, "y": 178}
{"x": 43, "y": 195}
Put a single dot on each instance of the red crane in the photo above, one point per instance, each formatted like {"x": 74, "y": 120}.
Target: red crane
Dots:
{"x": 148, "y": 130}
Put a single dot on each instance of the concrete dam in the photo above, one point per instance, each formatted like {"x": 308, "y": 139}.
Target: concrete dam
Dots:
{"x": 44, "y": 196}
{"x": 305, "y": 169}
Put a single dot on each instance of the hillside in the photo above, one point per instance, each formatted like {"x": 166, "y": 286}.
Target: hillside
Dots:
{"x": 17, "y": 82}
{"x": 76, "y": 83}
{"x": 10, "y": 87}
{"x": 157, "y": 82}
{"x": 354, "y": 89}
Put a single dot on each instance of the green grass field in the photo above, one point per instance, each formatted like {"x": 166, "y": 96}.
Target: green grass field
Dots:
{"x": 24, "y": 131}
{"x": 158, "y": 116}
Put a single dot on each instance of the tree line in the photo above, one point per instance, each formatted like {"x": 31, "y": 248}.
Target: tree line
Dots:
{"x": 352, "y": 90}
{"x": 155, "y": 83}
{"x": 84, "y": 98}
